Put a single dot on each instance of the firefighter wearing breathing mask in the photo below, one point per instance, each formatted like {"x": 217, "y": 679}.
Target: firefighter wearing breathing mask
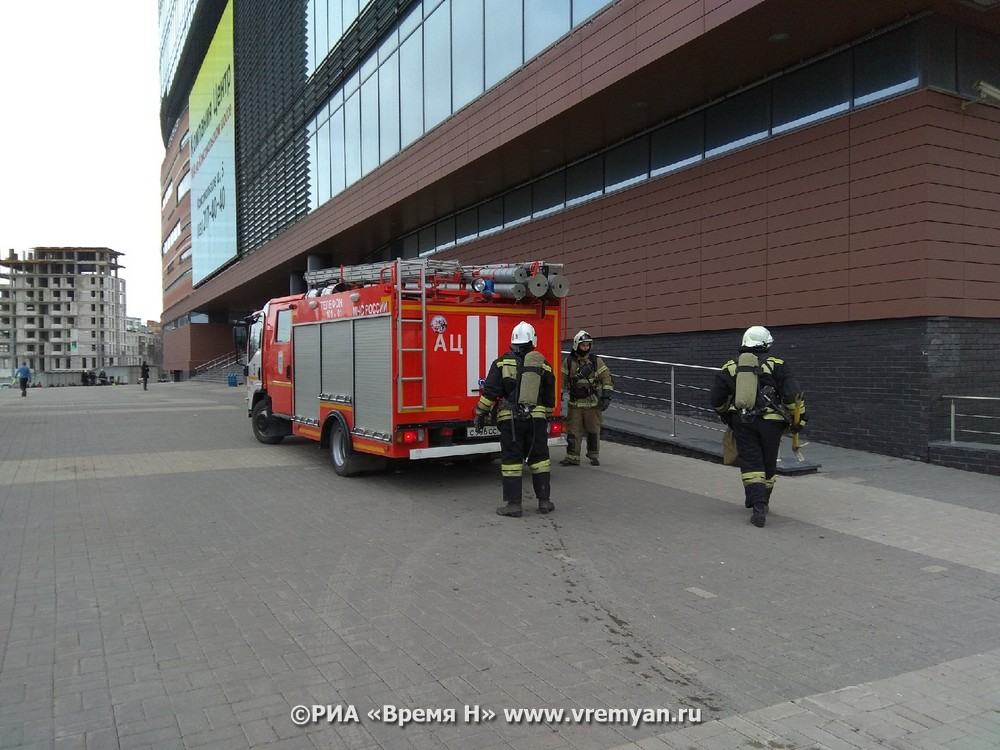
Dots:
{"x": 522, "y": 386}
{"x": 758, "y": 398}
{"x": 588, "y": 381}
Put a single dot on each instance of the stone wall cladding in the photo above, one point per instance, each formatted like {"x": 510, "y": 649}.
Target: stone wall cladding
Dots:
{"x": 870, "y": 385}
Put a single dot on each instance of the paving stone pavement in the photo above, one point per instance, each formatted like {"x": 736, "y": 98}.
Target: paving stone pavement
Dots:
{"x": 167, "y": 582}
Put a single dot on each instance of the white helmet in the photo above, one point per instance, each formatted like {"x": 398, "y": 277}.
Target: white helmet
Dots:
{"x": 581, "y": 337}
{"x": 757, "y": 337}
{"x": 523, "y": 333}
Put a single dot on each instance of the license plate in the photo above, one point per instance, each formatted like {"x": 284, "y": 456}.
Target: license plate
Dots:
{"x": 487, "y": 431}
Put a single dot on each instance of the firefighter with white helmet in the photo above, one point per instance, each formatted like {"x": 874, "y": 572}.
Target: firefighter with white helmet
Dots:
{"x": 757, "y": 397}
{"x": 522, "y": 387}
{"x": 588, "y": 381}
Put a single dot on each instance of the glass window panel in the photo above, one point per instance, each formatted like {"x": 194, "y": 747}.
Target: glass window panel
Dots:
{"x": 886, "y": 66}
{"x": 338, "y": 175}
{"x": 369, "y": 125}
{"x": 503, "y": 39}
{"x": 411, "y": 90}
{"x": 411, "y": 21}
{"x": 584, "y": 9}
{"x": 517, "y": 206}
{"x": 811, "y": 93}
{"x": 430, "y": 6}
{"x": 544, "y": 22}
{"x": 584, "y": 180}
{"x": 466, "y": 51}
{"x": 350, "y": 12}
{"x": 736, "y": 122}
{"x": 445, "y": 233}
{"x": 437, "y": 66}
{"x": 368, "y": 67}
{"x": 184, "y": 186}
{"x": 388, "y": 117}
{"x": 334, "y": 25}
{"x": 467, "y": 225}
{"x": 678, "y": 144}
{"x": 352, "y": 138}
{"x": 410, "y": 247}
{"x": 978, "y": 60}
{"x": 388, "y": 45}
{"x": 283, "y": 332}
{"x": 393, "y": 250}
{"x": 425, "y": 241}
{"x": 352, "y": 83}
{"x": 626, "y": 164}
{"x": 491, "y": 216}
{"x": 548, "y": 194}
{"x": 323, "y": 163}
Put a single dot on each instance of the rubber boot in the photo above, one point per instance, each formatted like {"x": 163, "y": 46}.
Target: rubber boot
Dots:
{"x": 542, "y": 485}
{"x": 759, "y": 515}
{"x": 572, "y": 456}
{"x": 592, "y": 448}
{"x": 510, "y": 509}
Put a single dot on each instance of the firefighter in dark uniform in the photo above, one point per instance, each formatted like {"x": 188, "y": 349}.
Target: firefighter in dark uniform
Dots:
{"x": 757, "y": 396}
{"x": 588, "y": 381}
{"x": 522, "y": 385}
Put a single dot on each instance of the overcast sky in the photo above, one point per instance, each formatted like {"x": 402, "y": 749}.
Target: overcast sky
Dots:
{"x": 80, "y": 136}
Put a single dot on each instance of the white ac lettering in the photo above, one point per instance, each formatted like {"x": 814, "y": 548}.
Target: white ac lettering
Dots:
{"x": 454, "y": 343}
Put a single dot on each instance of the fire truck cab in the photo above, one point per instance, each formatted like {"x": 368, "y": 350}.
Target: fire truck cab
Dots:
{"x": 385, "y": 361}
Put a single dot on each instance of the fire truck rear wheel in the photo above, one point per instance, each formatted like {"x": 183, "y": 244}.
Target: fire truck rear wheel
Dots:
{"x": 345, "y": 463}
{"x": 261, "y": 421}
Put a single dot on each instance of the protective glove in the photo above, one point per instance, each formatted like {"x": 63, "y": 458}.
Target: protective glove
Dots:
{"x": 604, "y": 403}
{"x": 479, "y": 421}
{"x": 796, "y": 428}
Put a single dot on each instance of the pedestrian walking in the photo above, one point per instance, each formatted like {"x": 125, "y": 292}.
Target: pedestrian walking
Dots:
{"x": 23, "y": 377}
{"x": 757, "y": 400}
{"x": 522, "y": 387}
{"x": 588, "y": 381}
{"x": 145, "y": 375}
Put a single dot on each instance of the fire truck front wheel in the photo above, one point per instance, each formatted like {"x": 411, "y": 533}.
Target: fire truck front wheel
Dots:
{"x": 263, "y": 424}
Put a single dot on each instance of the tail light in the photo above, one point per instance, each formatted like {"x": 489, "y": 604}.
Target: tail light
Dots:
{"x": 409, "y": 437}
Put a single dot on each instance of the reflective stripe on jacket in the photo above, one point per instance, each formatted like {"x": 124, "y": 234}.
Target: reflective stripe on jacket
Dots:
{"x": 595, "y": 385}
{"x": 774, "y": 372}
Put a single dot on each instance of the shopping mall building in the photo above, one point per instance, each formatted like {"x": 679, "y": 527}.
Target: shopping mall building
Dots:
{"x": 828, "y": 169}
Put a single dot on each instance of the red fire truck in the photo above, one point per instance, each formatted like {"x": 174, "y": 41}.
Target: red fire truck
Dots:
{"x": 385, "y": 360}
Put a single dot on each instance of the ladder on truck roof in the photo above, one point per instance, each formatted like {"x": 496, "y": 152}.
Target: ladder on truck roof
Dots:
{"x": 387, "y": 272}
{"x": 444, "y": 276}
{"x": 414, "y": 279}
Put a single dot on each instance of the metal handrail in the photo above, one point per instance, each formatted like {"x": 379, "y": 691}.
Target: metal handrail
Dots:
{"x": 954, "y": 414}
{"x": 673, "y": 383}
{"x": 223, "y": 361}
